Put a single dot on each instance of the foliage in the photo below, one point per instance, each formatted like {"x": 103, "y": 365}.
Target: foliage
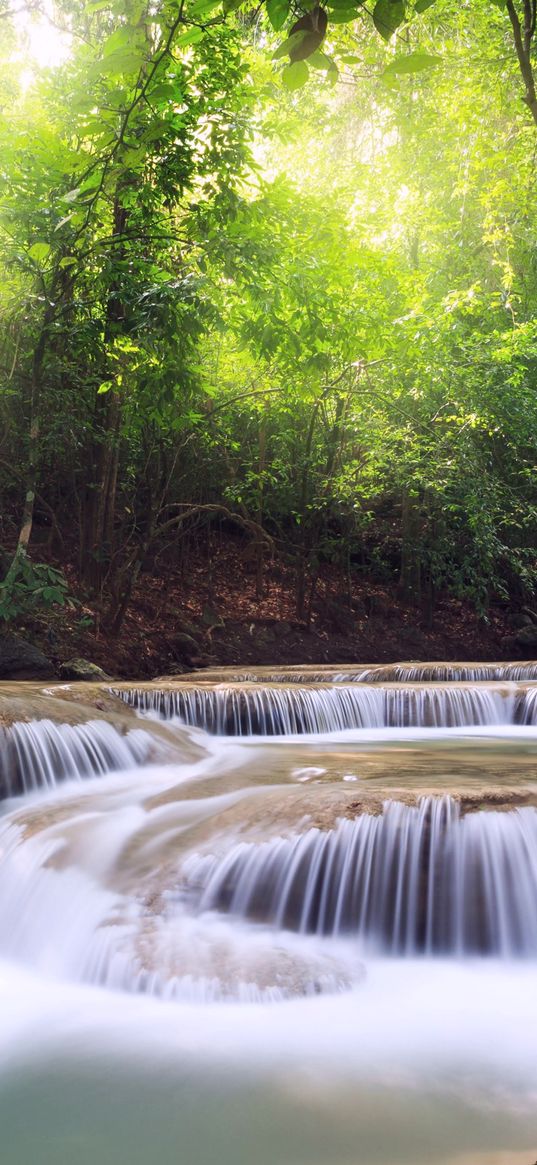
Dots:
{"x": 228, "y": 290}
{"x": 31, "y": 587}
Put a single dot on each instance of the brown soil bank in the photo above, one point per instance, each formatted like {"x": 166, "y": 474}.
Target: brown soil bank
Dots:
{"x": 214, "y": 618}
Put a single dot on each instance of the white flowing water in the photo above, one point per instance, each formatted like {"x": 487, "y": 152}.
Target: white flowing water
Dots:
{"x": 412, "y": 880}
{"x": 40, "y": 753}
{"x": 193, "y": 969}
{"x": 238, "y": 710}
{"x": 377, "y": 673}
{"x": 451, "y": 672}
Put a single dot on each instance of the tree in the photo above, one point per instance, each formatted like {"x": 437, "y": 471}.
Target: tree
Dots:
{"x": 291, "y": 310}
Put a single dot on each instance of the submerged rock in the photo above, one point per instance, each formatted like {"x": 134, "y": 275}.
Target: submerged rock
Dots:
{"x": 177, "y": 956}
{"x": 20, "y": 660}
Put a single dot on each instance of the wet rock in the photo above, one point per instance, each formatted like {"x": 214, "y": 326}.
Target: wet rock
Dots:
{"x": 185, "y": 651}
{"x": 526, "y": 638}
{"x": 216, "y": 962}
{"x": 187, "y": 627}
{"x": 20, "y": 660}
{"x": 175, "y": 669}
{"x": 184, "y": 644}
{"x": 517, "y": 620}
{"x": 81, "y": 669}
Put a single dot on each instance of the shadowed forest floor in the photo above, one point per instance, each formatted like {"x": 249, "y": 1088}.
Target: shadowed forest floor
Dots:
{"x": 211, "y": 615}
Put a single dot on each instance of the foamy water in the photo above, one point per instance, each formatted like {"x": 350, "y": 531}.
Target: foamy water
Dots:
{"x": 138, "y": 1023}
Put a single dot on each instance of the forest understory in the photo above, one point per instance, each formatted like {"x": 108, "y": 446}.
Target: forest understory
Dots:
{"x": 268, "y": 338}
{"x": 211, "y": 615}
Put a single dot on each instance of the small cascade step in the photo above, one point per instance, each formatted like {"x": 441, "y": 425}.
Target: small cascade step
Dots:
{"x": 245, "y": 710}
{"x": 527, "y": 708}
{"x": 40, "y": 754}
{"x": 414, "y": 880}
{"x": 447, "y": 672}
{"x": 412, "y": 672}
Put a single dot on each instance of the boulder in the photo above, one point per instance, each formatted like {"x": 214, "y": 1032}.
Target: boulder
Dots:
{"x": 20, "y": 660}
{"x": 184, "y": 647}
{"x": 527, "y": 636}
{"x": 82, "y": 669}
{"x": 517, "y": 621}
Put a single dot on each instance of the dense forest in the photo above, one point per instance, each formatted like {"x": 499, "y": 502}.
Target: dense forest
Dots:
{"x": 268, "y": 347}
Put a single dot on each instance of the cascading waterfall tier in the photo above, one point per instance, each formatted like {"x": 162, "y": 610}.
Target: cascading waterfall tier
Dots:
{"x": 40, "y": 754}
{"x": 528, "y": 708}
{"x": 414, "y": 880}
{"x": 62, "y": 917}
{"x": 414, "y": 672}
{"x": 278, "y": 711}
{"x": 442, "y": 672}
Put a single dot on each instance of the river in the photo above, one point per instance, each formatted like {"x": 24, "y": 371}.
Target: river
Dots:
{"x": 255, "y": 919}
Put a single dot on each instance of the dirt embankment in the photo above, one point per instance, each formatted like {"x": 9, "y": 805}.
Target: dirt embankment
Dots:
{"x": 176, "y": 624}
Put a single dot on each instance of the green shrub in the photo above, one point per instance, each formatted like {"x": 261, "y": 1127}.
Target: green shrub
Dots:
{"x": 29, "y": 587}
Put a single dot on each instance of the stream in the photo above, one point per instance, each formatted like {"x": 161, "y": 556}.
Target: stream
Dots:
{"x": 285, "y": 917}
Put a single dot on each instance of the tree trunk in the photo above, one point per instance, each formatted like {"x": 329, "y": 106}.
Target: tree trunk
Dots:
{"x": 33, "y": 402}
{"x": 260, "y": 549}
{"x": 410, "y": 575}
{"x": 97, "y": 535}
{"x": 523, "y": 34}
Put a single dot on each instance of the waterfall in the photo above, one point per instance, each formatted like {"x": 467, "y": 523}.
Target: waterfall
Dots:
{"x": 528, "y": 708}
{"x": 413, "y": 880}
{"x": 62, "y": 917}
{"x": 40, "y": 753}
{"x": 378, "y": 673}
{"x": 245, "y": 711}
{"x": 441, "y": 672}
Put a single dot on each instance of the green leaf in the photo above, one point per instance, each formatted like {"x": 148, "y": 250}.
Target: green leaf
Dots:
{"x": 120, "y": 39}
{"x": 343, "y": 16}
{"x": 423, "y": 5}
{"x": 277, "y": 12}
{"x": 91, "y": 182}
{"x": 166, "y": 91}
{"x": 345, "y": 4}
{"x": 320, "y": 60}
{"x": 39, "y": 252}
{"x": 231, "y": 6}
{"x": 193, "y": 36}
{"x": 412, "y": 63}
{"x": 71, "y": 195}
{"x": 388, "y": 15}
{"x": 53, "y": 595}
{"x": 69, "y": 261}
{"x": 201, "y": 8}
{"x": 292, "y": 42}
{"x": 295, "y": 76}
{"x": 104, "y": 387}
{"x": 117, "y": 64}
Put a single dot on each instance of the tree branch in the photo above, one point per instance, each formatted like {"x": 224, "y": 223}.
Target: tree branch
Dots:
{"x": 523, "y": 42}
{"x": 191, "y": 511}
